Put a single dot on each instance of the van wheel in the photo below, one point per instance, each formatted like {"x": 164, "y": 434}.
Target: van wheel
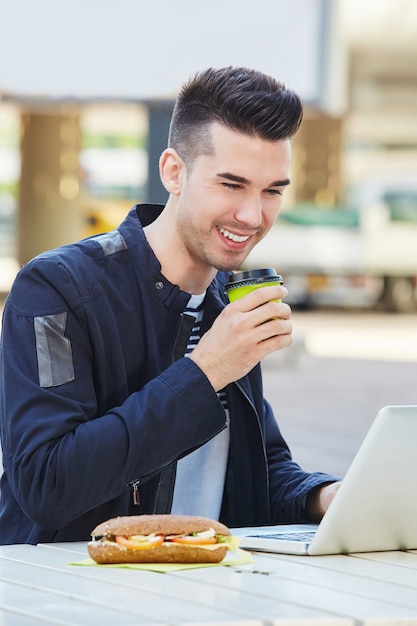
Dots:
{"x": 400, "y": 294}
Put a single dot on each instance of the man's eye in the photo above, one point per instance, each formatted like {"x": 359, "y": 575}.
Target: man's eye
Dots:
{"x": 274, "y": 192}
{"x": 231, "y": 185}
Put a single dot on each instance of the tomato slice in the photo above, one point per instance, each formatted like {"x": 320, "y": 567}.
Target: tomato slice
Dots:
{"x": 191, "y": 540}
{"x": 140, "y": 543}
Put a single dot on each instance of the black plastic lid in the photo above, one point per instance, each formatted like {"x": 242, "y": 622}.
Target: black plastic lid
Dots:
{"x": 266, "y": 272}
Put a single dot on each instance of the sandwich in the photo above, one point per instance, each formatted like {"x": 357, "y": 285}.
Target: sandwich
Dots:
{"x": 160, "y": 539}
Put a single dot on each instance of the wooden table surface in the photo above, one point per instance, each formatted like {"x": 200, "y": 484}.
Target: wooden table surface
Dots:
{"x": 39, "y": 585}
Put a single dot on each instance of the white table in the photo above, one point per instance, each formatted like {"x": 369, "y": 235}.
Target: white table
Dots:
{"x": 38, "y": 586}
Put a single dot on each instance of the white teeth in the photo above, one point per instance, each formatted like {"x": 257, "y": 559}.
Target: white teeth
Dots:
{"x": 235, "y": 238}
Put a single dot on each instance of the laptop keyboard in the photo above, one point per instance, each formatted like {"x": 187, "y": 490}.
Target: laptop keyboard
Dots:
{"x": 289, "y": 536}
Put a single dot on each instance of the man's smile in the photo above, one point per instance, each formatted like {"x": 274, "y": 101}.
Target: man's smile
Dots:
{"x": 233, "y": 236}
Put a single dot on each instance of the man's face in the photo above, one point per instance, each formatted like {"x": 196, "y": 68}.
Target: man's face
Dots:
{"x": 231, "y": 198}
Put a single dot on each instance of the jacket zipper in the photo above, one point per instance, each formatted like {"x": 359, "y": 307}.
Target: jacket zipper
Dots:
{"x": 260, "y": 432}
{"x": 185, "y": 324}
{"x": 184, "y": 330}
{"x": 135, "y": 486}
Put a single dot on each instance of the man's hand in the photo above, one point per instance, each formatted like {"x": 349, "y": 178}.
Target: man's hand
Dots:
{"x": 319, "y": 499}
{"x": 244, "y": 333}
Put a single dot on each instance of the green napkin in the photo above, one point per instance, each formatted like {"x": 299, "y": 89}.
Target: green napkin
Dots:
{"x": 237, "y": 557}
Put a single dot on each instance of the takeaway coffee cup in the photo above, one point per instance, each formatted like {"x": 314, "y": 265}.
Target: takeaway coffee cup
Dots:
{"x": 242, "y": 283}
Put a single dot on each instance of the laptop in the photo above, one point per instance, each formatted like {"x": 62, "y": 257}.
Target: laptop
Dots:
{"x": 375, "y": 508}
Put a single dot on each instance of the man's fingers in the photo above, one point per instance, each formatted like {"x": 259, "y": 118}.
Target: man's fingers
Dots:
{"x": 260, "y": 296}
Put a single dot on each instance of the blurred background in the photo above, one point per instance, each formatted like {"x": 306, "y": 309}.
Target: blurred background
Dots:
{"x": 86, "y": 95}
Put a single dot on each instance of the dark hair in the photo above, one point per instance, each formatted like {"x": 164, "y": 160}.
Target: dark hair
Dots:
{"x": 241, "y": 99}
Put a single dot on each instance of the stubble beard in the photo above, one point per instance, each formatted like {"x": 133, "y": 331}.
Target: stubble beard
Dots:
{"x": 201, "y": 247}
{"x": 223, "y": 262}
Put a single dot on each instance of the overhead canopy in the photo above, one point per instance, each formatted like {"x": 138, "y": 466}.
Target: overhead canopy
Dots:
{"x": 129, "y": 49}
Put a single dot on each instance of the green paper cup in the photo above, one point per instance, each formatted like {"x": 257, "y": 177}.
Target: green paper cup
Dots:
{"x": 242, "y": 283}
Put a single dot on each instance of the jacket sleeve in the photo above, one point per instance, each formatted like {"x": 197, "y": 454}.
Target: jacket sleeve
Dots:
{"x": 60, "y": 460}
{"x": 289, "y": 484}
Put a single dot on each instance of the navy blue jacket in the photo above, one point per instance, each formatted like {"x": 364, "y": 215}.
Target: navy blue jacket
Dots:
{"x": 98, "y": 403}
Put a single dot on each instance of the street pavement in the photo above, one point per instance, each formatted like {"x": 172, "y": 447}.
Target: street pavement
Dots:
{"x": 327, "y": 388}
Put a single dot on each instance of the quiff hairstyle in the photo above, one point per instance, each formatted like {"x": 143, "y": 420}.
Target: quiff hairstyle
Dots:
{"x": 240, "y": 99}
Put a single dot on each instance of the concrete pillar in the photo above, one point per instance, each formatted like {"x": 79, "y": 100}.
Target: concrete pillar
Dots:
{"x": 49, "y": 214}
{"x": 316, "y": 171}
{"x": 160, "y": 113}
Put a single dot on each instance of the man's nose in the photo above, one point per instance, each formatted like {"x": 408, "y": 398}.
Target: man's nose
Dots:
{"x": 249, "y": 212}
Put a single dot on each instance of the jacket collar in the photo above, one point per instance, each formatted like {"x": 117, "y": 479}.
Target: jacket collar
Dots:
{"x": 147, "y": 264}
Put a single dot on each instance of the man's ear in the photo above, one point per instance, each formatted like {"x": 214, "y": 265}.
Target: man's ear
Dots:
{"x": 171, "y": 171}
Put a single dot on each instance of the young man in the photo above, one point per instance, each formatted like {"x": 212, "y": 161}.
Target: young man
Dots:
{"x": 128, "y": 386}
